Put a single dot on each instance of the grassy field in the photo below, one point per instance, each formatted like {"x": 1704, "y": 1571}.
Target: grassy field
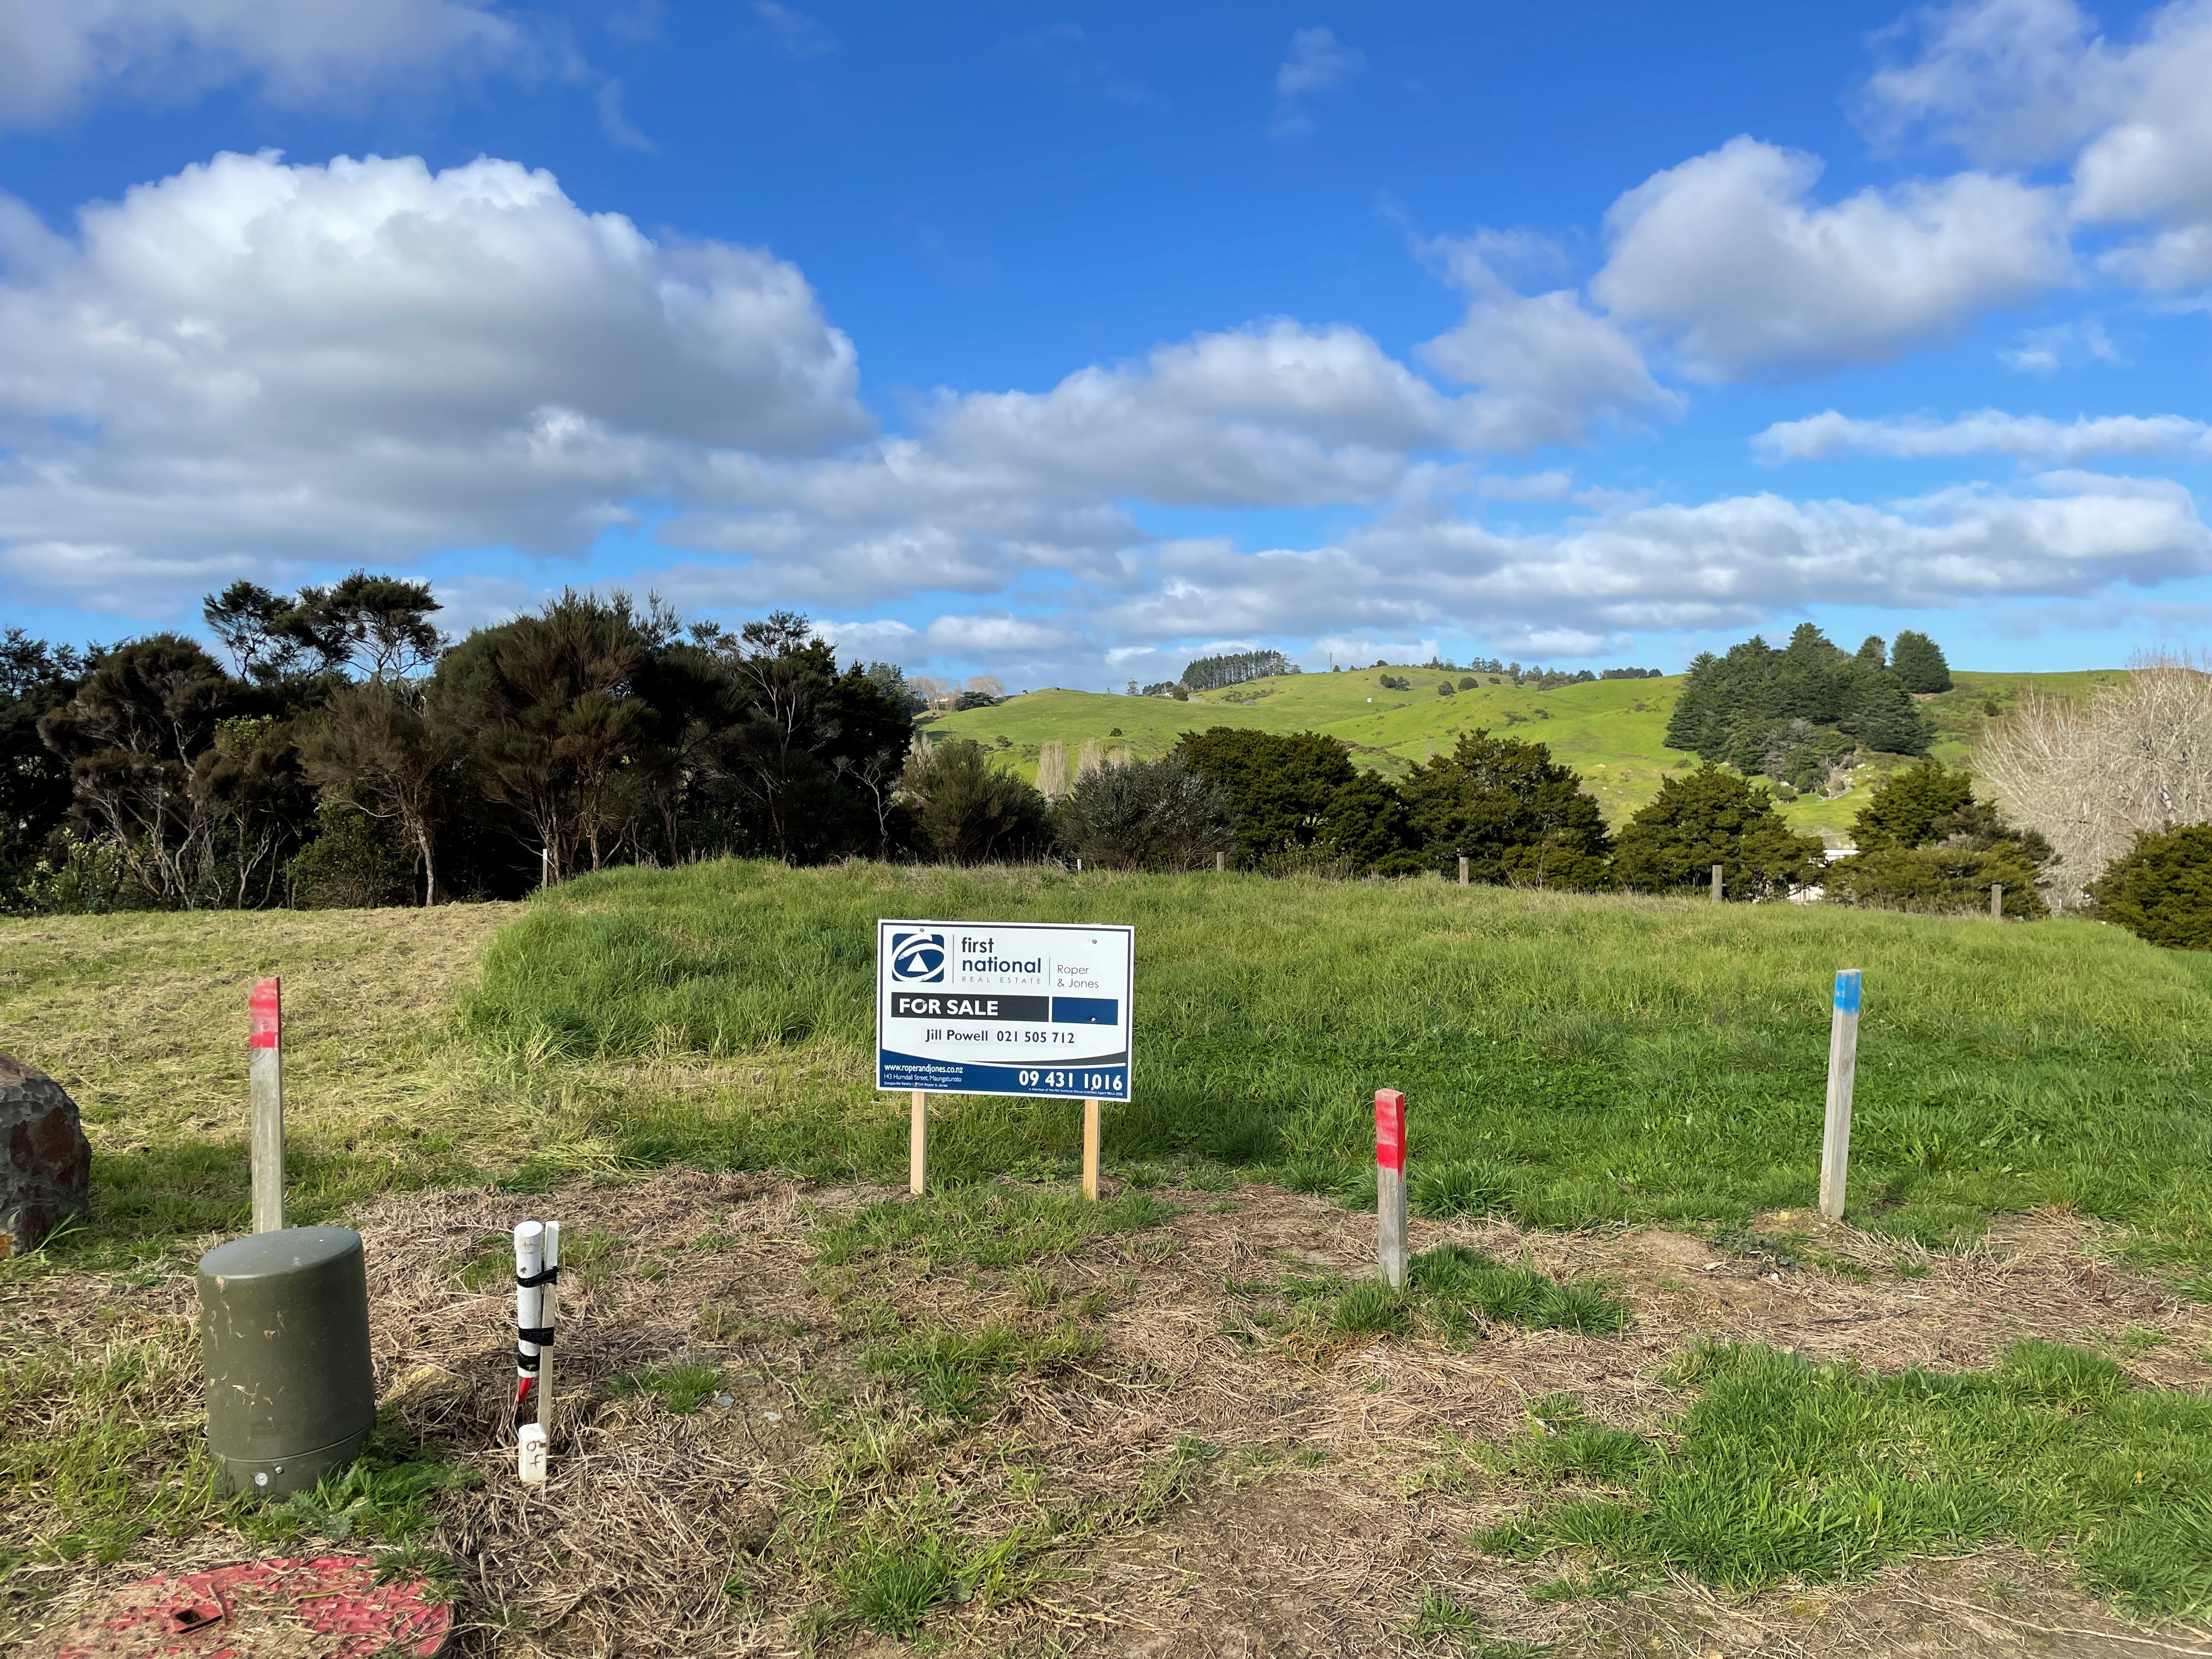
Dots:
{"x": 1570, "y": 1061}
{"x": 1611, "y": 731}
{"x": 938, "y": 1393}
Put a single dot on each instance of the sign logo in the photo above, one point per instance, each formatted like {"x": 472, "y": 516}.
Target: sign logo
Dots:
{"x": 918, "y": 958}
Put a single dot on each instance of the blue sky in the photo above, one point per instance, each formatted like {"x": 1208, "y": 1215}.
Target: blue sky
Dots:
{"x": 1062, "y": 346}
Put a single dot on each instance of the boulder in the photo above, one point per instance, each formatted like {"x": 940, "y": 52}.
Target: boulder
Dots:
{"x": 45, "y": 1162}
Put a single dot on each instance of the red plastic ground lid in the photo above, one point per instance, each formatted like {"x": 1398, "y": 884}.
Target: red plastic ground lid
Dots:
{"x": 325, "y": 1607}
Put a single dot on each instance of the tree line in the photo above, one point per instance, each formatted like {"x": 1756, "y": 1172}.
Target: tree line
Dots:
{"x": 348, "y": 754}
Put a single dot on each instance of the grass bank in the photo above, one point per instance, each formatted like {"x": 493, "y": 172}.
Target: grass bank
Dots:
{"x": 1570, "y": 1061}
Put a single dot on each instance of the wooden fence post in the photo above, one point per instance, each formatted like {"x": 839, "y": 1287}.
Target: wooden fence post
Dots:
{"x": 1090, "y": 1149}
{"x": 1390, "y": 1185}
{"x": 1221, "y": 863}
{"x": 1843, "y": 1062}
{"x": 1996, "y": 900}
{"x": 265, "y": 1083}
{"x": 1462, "y": 869}
{"x": 1719, "y": 889}
{"x": 917, "y": 1145}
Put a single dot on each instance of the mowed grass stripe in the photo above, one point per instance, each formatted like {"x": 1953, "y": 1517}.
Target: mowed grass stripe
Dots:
{"x": 1575, "y": 1060}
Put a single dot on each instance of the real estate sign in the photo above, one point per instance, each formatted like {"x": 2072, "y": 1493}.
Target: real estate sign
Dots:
{"x": 1004, "y": 1008}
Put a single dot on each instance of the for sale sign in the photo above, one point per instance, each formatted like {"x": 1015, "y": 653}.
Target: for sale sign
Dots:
{"x": 1004, "y": 1008}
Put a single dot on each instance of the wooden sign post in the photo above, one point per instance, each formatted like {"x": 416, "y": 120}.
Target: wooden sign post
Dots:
{"x": 1843, "y": 1062}
{"x": 1021, "y": 1008}
{"x": 265, "y": 1083}
{"x": 1719, "y": 891}
{"x": 1996, "y": 900}
{"x": 1390, "y": 1185}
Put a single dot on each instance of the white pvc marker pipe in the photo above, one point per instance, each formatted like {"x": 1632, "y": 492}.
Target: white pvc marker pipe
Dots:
{"x": 1843, "y": 1064}
{"x": 1390, "y": 1185}
{"x": 551, "y": 1297}
{"x": 529, "y": 1302}
{"x": 264, "y": 1070}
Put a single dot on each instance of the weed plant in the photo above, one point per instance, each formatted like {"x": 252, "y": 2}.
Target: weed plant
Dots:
{"x": 1788, "y": 1470}
{"x": 679, "y": 1388}
{"x": 1570, "y": 1061}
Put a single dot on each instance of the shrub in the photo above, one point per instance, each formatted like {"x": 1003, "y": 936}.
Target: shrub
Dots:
{"x": 1443, "y": 688}
{"x": 1147, "y": 815}
{"x": 350, "y": 864}
{"x": 1926, "y": 844}
{"x": 2160, "y": 889}
{"x": 1468, "y": 682}
{"x": 1711, "y": 817}
{"x": 971, "y": 812}
{"x": 80, "y": 876}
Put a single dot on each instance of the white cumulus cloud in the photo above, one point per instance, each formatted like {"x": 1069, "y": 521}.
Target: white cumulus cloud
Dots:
{"x": 370, "y": 359}
{"x": 2031, "y": 81}
{"x": 1729, "y": 254}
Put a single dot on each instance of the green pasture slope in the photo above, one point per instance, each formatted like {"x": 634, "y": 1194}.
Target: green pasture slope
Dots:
{"x": 1612, "y": 732}
{"x": 1570, "y": 1061}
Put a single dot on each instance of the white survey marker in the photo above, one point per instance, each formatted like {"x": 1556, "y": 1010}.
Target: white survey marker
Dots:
{"x": 1004, "y": 1008}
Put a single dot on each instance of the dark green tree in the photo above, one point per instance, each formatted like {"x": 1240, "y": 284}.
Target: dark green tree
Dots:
{"x": 132, "y": 733}
{"x": 372, "y": 748}
{"x": 35, "y": 680}
{"x": 2161, "y": 889}
{"x": 1367, "y": 828}
{"x": 1926, "y": 844}
{"x": 1146, "y": 815}
{"x": 382, "y": 622}
{"x": 1279, "y": 784}
{"x": 1905, "y": 806}
{"x": 1706, "y": 817}
{"x": 1917, "y": 662}
{"x": 1731, "y": 707}
{"x": 1872, "y": 653}
{"x": 970, "y": 811}
{"x": 1518, "y": 816}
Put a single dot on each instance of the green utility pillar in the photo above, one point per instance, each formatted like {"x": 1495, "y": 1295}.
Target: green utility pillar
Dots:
{"x": 291, "y": 1391}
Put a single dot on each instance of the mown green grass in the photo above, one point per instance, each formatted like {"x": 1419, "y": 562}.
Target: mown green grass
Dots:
{"x": 1613, "y": 731}
{"x": 1570, "y": 1061}
{"x": 1790, "y": 1471}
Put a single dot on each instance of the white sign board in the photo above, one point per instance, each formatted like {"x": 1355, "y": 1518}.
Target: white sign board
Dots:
{"x": 1004, "y": 1008}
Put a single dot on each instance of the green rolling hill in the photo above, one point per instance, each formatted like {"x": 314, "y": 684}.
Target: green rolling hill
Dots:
{"x": 1610, "y": 732}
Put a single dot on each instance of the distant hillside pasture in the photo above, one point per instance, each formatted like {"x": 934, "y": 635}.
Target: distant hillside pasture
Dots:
{"x": 1613, "y": 731}
{"x": 1570, "y": 1061}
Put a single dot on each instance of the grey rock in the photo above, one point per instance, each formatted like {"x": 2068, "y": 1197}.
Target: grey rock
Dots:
{"x": 45, "y": 1162}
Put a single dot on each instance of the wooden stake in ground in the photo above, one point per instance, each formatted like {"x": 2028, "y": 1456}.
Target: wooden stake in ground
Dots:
{"x": 1996, "y": 900}
{"x": 1718, "y": 891}
{"x": 1843, "y": 1062}
{"x": 1221, "y": 863}
{"x": 1090, "y": 1149}
{"x": 1462, "y": 869}
{"x": 917, "y": 1144}
{"x": 265, "y": 1081}
{"x": 1390, "y": 1185}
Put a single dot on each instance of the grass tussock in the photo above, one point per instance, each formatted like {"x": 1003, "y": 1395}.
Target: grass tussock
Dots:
{"x": 1451, "y": 1292}
{"x": 1785, "y": 1470}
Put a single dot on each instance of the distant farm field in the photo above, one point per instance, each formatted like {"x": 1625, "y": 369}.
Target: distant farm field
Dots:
{"x": 1612, "y": 730}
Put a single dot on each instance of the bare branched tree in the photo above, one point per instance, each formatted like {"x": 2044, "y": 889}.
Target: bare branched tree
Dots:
{"x": 2137, "y": 755}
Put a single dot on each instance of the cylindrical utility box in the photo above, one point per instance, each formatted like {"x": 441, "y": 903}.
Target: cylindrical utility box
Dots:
{"x": 291, "y": 1391}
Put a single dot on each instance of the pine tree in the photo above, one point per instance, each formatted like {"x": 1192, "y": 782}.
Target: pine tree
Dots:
{"x": 1917, "y": 661}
